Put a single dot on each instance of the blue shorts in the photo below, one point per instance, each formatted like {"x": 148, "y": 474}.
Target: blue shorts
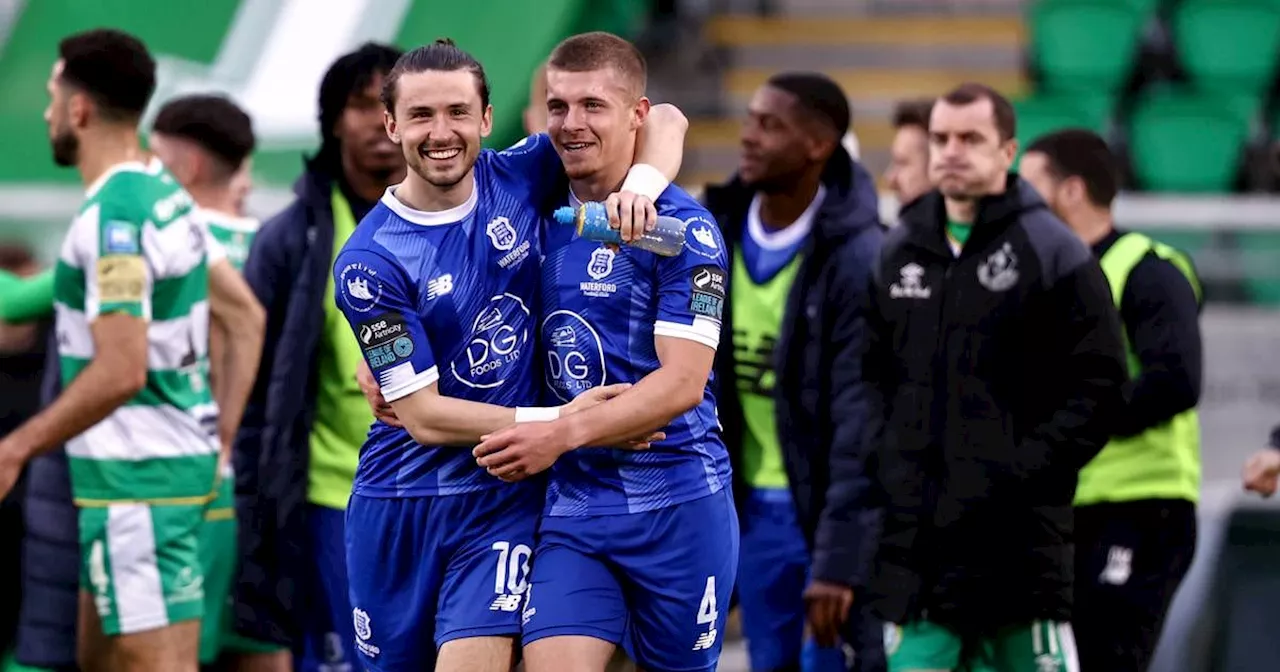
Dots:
{"x": 326, "y": 617}
{"x": 427, "y": 570}
{"x": 657, "y": 582}
{"x": 773, "y": 572}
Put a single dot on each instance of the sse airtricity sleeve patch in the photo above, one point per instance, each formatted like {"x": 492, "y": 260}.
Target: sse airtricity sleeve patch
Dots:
{"x": 374, "y": 295}
{"x": 692, "y": 285}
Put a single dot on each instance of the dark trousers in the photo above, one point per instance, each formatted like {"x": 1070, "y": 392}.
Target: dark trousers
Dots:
{"x": 1130, "y": 558}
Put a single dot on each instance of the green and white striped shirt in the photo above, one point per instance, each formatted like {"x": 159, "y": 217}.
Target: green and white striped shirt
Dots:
{"x": 136, "y": 249}
{"x": 234, "y": 235}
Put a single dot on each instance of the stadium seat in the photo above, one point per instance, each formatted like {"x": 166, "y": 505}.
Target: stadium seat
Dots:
{"x": 1229, "y": 46}
{"x": 1084, "y": 45}
{"x": 1181, "y": 141}
{"x": 1044, "y": 113}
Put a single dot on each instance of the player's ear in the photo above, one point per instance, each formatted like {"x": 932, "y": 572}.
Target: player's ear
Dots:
{"x": 486, "y": 121}
{"x": 641, "y": 112}
{"x": 78, "y": 105}
{"x": 197, "y": 165}
{"x": 389, "y": 123}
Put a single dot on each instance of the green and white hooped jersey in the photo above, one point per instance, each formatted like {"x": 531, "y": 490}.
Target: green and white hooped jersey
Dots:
{"x": 233, "y": 234}
{"x": 135, "y": 249}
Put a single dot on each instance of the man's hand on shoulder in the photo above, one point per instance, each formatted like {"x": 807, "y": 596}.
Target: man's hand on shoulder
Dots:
{"x": 1262, "y": 471}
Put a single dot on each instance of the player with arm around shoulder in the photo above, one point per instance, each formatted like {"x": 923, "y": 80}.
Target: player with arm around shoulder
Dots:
{"x": 439, "y": 286}
{"x": 635, "y": 549}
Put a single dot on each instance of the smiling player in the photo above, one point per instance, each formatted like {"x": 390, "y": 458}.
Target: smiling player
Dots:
{"x": 638, "y": 549}
{"x": 439, "y": 286}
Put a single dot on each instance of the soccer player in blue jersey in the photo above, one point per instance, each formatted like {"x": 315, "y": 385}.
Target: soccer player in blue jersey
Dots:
{"x": 439, "y": 283}
{"x": 638, "y": 549}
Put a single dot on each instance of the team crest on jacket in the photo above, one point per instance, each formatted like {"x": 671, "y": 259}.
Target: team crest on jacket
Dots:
{"x": 911, "y": 284}
{"x": 1000, "y": 271}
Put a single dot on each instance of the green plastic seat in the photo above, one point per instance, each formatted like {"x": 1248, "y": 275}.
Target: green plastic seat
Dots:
{"x": 1180, "y": 141}
{"x": 1084, "y": 45}
{"x": 1041, "y": 114}
{"x": 1230, "y": 46}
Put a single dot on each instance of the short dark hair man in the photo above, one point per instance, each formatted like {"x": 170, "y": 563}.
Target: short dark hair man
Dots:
{"x": 800, "y": 218}
{"x": 134, "y": 294}
{"x": 993, "y": 368}
{"x": 1135, "y": 529}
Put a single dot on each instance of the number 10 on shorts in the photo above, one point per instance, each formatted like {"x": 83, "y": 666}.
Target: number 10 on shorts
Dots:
{"x": 510, "y": 577}
{"x": 707, "y": 615}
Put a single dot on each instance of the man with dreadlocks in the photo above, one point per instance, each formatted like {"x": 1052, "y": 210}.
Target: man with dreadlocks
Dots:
{"x": 306, "y": 420}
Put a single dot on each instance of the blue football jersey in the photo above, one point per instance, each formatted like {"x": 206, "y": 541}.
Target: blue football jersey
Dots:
{"x": 601, "y": 311}
{"x": 448, "y": 297}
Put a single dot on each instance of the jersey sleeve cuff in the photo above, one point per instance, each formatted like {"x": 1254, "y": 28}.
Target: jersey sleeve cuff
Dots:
{"x": 703, "y": 330}
{"x": 400, "y": 381}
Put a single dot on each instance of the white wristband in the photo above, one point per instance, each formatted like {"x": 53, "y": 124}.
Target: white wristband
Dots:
{"x": 537, "y": 413}
{"x": 645, "y": 180}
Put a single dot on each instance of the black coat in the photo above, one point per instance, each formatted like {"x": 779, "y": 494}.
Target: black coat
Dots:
{"x": 50, "y": 549}
{"x": 287, "y": 268}
{"x": 994, "y": 378}
{"x": 820, "y": 396}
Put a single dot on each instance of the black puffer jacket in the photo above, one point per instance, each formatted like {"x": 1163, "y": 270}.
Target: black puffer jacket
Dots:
{"x": 820, "y": 397}
{"x": 994, "y": 374}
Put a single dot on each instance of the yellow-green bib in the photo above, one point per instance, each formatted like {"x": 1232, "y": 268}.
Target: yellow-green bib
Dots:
{"x": 342, "y": 417}
{"x": 757, "y": 320}
{"x": 1164, "y": 461}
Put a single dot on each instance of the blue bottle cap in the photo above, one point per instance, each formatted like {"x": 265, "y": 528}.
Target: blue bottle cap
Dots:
{"x": 565, "y": 215}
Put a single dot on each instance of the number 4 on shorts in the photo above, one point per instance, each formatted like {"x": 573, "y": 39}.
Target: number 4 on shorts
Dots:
{"x": 707, "y": 610}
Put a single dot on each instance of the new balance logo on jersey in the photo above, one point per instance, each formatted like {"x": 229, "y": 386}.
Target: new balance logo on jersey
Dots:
{"x": 706, "y": 640}
{"x": 439, "y": 286}
{"x": 508, "y": 603}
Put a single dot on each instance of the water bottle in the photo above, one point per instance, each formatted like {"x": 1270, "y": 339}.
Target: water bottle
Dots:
{"x": 666, "y": 239}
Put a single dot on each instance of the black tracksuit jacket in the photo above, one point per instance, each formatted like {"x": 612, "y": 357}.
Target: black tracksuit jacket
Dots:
{"x": 995, "y": 376}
